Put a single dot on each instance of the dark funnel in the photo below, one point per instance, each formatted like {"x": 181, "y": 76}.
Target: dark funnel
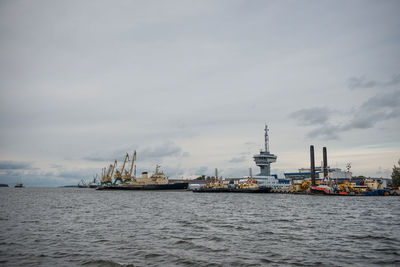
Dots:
{"x": 312, "y": 165}
{"x": 325, "y": 162}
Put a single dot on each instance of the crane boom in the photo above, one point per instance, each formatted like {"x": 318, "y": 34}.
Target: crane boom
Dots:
{"x": 109, "y": 170}
{"x": 133, "y": 162}
{"x": 123, "y": 165}
{"x": 113, "y": 168}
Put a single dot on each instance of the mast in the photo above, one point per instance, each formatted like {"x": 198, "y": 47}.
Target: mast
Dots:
{"x": 266, "y": 139}
{"x": 265, "y": 158}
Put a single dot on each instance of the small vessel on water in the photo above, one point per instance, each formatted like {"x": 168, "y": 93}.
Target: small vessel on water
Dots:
{"x": 218, "y": 186}
{"x": 127, "y": 181}
{"x": 19, "y": 186}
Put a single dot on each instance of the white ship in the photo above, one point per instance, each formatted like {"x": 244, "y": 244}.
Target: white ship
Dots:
{"x": 264, "y": 160}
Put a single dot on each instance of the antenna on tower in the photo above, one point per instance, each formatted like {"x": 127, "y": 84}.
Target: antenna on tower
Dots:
{"x": 266, "y": 139}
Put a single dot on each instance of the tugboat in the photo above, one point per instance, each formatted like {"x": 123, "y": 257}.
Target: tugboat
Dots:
{"x": 19, "y": 186}
{"x": 322, "y": 190}
{"x": 249, "y": 186}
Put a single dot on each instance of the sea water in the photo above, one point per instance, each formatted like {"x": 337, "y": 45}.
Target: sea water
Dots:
{"x": 85, "y": 227}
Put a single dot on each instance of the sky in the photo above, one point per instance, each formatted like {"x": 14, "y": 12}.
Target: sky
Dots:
{"x": 190, "y": 85}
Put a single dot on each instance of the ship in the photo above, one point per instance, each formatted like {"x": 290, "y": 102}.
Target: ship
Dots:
{"x": 246, "y": 186}
{"x": 127, "y": 181}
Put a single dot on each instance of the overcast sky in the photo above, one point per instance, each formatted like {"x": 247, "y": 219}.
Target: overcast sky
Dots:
{"x": 191, "y": 84}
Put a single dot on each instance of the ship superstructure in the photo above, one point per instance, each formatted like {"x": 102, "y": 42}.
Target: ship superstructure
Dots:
{"x": 264, "y": 160}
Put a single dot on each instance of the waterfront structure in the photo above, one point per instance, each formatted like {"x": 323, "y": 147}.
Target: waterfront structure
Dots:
{"x": 264, "y": 160}
{"x": 305, "y": 173}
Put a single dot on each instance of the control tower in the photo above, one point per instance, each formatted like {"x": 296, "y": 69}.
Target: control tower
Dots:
{"x": 264, "y": 159}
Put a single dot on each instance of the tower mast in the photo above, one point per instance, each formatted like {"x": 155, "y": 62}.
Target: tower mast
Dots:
{"x": 266, "y": 139}
{"x": 265, "y": 158}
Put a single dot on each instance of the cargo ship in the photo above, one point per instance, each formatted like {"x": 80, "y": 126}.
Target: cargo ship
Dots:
{"x": 124, "y": 180}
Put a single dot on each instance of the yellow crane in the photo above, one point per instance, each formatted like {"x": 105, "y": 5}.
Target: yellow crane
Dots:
{"x": 107, "y": 178}
{"x": 118, "y": 174}
{"x": 128, "y": 176}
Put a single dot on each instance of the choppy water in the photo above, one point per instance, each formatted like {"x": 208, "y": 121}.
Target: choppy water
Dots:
{"x": 75, "y": 227}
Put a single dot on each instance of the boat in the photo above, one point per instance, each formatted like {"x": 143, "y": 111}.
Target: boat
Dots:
{"x": 19, "y": 186}
{"x": 3, "y": 185}
{"x": 157, "y": 181}
{"x": 250, "y": 186}
{"x": 322, "y": 190}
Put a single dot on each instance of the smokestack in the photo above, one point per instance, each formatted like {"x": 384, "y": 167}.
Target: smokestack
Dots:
{"x": 312, "y": 165}
{"x": 251, "y": 173}
{"x": 325, "y": 162}
{"x": 216, "y": 174}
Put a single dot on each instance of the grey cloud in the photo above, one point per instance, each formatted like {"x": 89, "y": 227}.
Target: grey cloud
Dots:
{"x": 152, "y": 153}
{"x": 364, "y": 83}
{"x": 394, "y": 81}
{"x": 360, "y": 82}
{"x": 311, "y": 116}
{"x": 378, "y": 108}
{"x": 327, "y": 132}
{"x": 109, "y": 156}
{"x": 14, "y": 165}
{"x": 167, "y": 149}
{"x": 383, "y": 100}
{"x": 237, "y": 159}
{"x": 98, "y": 157}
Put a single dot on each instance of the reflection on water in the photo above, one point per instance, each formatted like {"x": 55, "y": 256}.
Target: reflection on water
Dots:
{"x": 71, "y": 226}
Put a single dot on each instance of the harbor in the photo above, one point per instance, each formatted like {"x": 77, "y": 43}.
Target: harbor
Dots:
{"x": 322, "y": 180}
{"x": 200, "y": 133}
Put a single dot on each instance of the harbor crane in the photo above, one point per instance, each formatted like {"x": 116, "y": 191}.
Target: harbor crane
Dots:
{"x": 128, "y": 176}
{"x": 118, "y": 174}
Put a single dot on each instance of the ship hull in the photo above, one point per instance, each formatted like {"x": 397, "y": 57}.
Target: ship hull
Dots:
{"x": 316, "y": 190}
{"x": 231, "y": 190}
{"x": 174, "y": 186}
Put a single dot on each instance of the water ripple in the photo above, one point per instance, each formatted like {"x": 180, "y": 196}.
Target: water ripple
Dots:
{"x": 84, "y": 227}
